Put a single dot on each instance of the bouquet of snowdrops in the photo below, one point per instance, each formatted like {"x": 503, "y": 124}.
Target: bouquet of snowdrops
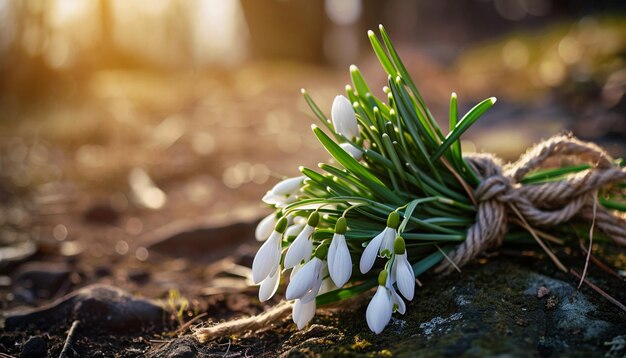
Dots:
{"x": 394, "y": 201}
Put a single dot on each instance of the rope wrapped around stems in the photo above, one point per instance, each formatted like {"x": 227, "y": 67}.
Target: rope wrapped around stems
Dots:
{"x": 500, "y": 195}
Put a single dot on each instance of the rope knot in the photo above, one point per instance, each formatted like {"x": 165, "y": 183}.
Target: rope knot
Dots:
{"x": 547, "y": 204}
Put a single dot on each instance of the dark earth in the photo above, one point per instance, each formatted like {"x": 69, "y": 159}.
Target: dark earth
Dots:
{"x": 136, "y": 225}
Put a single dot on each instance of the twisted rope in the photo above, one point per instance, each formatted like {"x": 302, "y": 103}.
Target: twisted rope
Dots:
{"x": 500, "y": 193}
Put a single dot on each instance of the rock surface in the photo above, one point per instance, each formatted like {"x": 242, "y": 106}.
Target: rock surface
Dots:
{"x": 487, "y": 310}
{"x": 99, "y": 308}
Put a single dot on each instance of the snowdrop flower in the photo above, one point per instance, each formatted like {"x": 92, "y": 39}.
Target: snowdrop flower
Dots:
{"x": 355, "y": 152}
{"x": 402, "y": 271}
{"x": 306, "y": 282}
{"x": 302, "y": 247}
{"x": 267, "y": 259}
{"x": 343, "y": 117}
{"x": 396, "y": 300}
{"x": 269, "y": 286}
{"x": 302, "y": 313}
{"x": 265, "y": 227}
{"x": 284, "y": 192}
{"x": 381, "y": 245}
{"x": 380, "y": 307}
{"x": 339, "y": 260}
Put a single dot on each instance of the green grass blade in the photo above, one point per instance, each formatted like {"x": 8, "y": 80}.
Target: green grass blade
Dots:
{"x": 466, "y": 122}
{"x": 354, "y": 166}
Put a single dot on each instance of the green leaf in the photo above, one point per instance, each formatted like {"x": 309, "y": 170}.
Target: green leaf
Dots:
{"x": 456, "y": 146}
{"x": 613, "y": 205}
{"x": 465, "y": 123}
{"x": 317, "y": 111}
{"x": 359, "y": 82}
{"x": 343, "y": 293}
{"x": 354, "y": 166}
{"x": 401, "y": 69}
{"x": 380, "y": 53}
{"x": 551, "y": 174}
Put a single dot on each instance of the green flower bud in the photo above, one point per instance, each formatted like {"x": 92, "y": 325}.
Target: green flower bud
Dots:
{"x": 399, "y": 246}
{"x": 341, "y": 226}
{"x": 321, "y": 252}
{"x": 393, "y": 220}
{"x": 314, "y": 219}
{"x": 281, "y": 225}
{"x": 382, "y": 277}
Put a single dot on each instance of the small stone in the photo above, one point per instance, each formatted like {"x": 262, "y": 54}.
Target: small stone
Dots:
{"x": 34, "y": 347}
{"x": 42, "y": 279}
{"x": 99, "y": 307}
{"x": 542, "y": 291}
{"x": 182, "y": 347}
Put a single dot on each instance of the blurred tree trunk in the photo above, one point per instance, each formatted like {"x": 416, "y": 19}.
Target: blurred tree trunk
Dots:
{"x": 291, "y": 29}
{"x": 25, "y": 72}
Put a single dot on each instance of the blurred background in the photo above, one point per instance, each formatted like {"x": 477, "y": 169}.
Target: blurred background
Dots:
{"x": 120, "y": 117}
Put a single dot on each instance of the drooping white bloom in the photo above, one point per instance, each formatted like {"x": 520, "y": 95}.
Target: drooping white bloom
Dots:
{"x": 381, "y": 245}
{"x": 302, "y": 247}
{"x": 375, "y": 248}
{"x": 288, "y": 186}
{"x": 306, "y": 282}
{"x": 343, "y": 117}
{"x": 339, "y": 260}
{"x": 284, "y": 192}
{"x": 379, "y": 310}
{"x": 302, "y": 313}
{"x": 265, "y": 227}
{"x": 403, "y": 275}
{"x": 327, "y": 285}
{"x": 269, "y": 286}
{"x": 267, "y": 259}
{"x": 355, "y": 152}
{"x": 398, "y": 302}
{"x": 402, "y": 271}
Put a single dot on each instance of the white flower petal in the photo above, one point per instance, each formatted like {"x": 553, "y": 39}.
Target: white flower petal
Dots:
{"x": 300, "y": 220}
{"x": 396, "y": 300}
{"x": 389, "y": 235}
{"x": 294, "y": 230}
{"x": 405, "y": 277}
{"x": 271, "y": 198}
{"x": 379, "y": 310}
{"x": 303, "y": 313}
{"x": 303, "y": 280}
{"x": 294, "y": 271}
{"x": 355, "y": 152}
{"x": 317, "y": 284}
{"x": 269, "y": 286}
{"x": 288, "y": 186}
{"x": 327, "y": 286}
{"x": 343, "y": 117}
{"x": 340, "y": 268}
{"x": 286, "y": 201}
{"x": 265, "y": 227}
{"x": 301, "y": 248}
{"x": 267, "y": 258}
{"x": 369, "y": 254}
